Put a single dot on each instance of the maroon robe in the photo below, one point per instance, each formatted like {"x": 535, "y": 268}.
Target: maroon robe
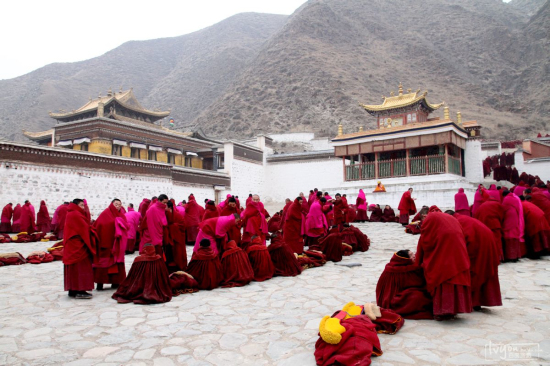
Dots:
{"x": 491, "y": 213}
{"x": 283, "y": 216}
{"x": 331, "y": 246}
{"x": 43, "y": 221}
{"x": 147, "y": 281}
{"x": 537, "y": 198}
{"x": 78, "y": 250}
{"x": 293, "y": 229}
{"x": 236, "y": 267}
{"x": 406, "y": 207}
{"x": 16, "y": 226}
{"x": 376, "y": 215}
{"x": 443, "y": 255}
{"x": 5, "y": 223}
{"x": 260, "y": 260}
{"x": 484, "y": 260}
{"x": 234, "y": 232}
{"x": 192, "y": 220}
{"x": 27, "y": 219}
{"x": 283, "y": 258}
{"x": 108, "y": 267}
{"x": 537, "y": 229}
{"x": 210, "y": 212}
{"x": 388, "y": 215}
{"x": 174, "y": 242}
{"x": 206, "y": 268}
{"x": 402, "y": 288}
{"x": 340, "y": 208}
{"x": 60, "y": 223}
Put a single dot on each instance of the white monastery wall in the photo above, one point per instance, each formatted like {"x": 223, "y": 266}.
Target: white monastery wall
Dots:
{"x": 293, "y": 137}
{"x": 287, "y": 179}
{"x": 473, "y": 161}
{"x": 321, "y": 144}
{"x": 540, "y": 166}
{"x": 57, "y": 185}
{"x": 246, "y": 177}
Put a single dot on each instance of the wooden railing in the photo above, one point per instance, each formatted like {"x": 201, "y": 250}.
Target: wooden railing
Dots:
{"x": 423, "y": 165}
{"x": 392, "y": 168}
{"x": 455, "y": 166}
{"x": 363, "y": 171}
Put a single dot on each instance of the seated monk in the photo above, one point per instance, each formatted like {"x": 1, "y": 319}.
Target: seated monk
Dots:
{"x": 376, "y": 215}
{"x": 415, "y": 226}
{"x": 331, "y": 245}
{"x": 484, "y": 256}
{"x": 402, "y": 288}
{"x": 236, "y": 267}
{"x": 283, "y": 257}
{"x": 379, "y": 187}
{"x": 363, "y": 241}
{"x": 274, "y": 222}
{"x": 205, "y": 267}
{"x": 183, "y": 283}
{"x": 260, "y": 259}
{"x": 389, "y": 215}
{"x": 147, "y": 281}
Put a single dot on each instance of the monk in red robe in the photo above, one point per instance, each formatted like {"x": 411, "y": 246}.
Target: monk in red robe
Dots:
{"x": 112, "y": 237}
{"x": 192, "y": 220}
{"x": 144, "y": 206}
{"x": 513, "y": 228}
{"x": 537, "y": 230}
{"x": 87, "y": 211}
{"x": 27, "y": 218}
{"x": 443, "y": 255}
{"x": 402, "y": 288}
{"x": 133, "y": 218}
{"x": 406, "y": 207}
{"x": 216, "y": 230}
{"x": 538, "y": 198}
{"x": 211, "y": 211}
{"x": 16, "y": 226}
{"x": 78, "y": 251}
{"x": 283, "y": 257}
{"x": 58, "y": 221}
{"x": 153, "y": 224}
{"x": 376, "y": 215}
{"x": 316, "y": 223}
{"x": 340, "y": 208}
{"x": 254, "y": 220}
{"x": 205, "y": 267}
{"x": 274, "y": 222}
{"x": 484, "y": 260}
{"x": 305, "y": 205}
{"x": 260, "y": 260}
{"x": 415, "y": 226}
{"x": 480, "y": 197}
{"x": 43, "y": 220}
{"x": 236, "y": 268}
{"x": 491, "y": 213}
{"x": 294, "y": 227}
{"x": 388, "y": 215}
{"x": 174, "y": 239}
{"x": 147, "y": 281}
{"x": 5, "y": 223}
{"x": 232, "y": 208}
{"x": 288, "y": 203}
{"x": 331, "y": 245}
{"x": 462, "y": 207}
{"x": 361, "y": 205}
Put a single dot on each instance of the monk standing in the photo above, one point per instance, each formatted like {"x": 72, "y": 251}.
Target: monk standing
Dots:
{"x": 491, "y": 213}
{"x": 16, "y": 226}
{"x": 406, "y": 207}
{"x": 461, "y": 203}
{"x": 340, "y": 208}
{"x": 443, "y": 255}
{"x": 111, "y": 228}
{"x": 361, "y": 204}
{"x": 5, "y": 223}
{"x": 513, "y": 227}
{"x": 27, "y": 218}
{"x": 153, "y": 224}
{"x": 293, "y": 229}
{"x": 174, "y": 239}
{"x": 232, "y": 208}
{"x": 192, "y": 219}
{"x": 254, "y": 220}
{"x": 316, "y": 224}
{"x": 133, "y": 217}
{"x": 211, "y": 211}
{"x": 58, "y": 221}
{"x": 43, "y": 220}
{"x": 78, "y": 251}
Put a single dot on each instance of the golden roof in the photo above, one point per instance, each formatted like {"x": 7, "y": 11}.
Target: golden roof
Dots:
{"x": 402, "y": 128}
{"x": 125, "y": 98}
{"x": 401, "y": 100}
{"x": 38, "y": 135}
{"x": 470, "y": 124}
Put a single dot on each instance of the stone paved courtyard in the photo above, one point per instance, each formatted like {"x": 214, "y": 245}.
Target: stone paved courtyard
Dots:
{"x": 269, "y": 323}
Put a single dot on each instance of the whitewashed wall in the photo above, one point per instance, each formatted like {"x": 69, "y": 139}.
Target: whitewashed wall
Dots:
{"x": 473, "y": 161}
{"x": 293, "y": 137}
{"x": 56, "y": 185}
{"x": 246, "y": 177}
{"x": 288, "y": 179}
{"x": 540, "y": 167}
{"x": 321, "y": 144}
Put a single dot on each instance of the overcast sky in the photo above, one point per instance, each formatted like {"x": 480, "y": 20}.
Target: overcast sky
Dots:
{"x": 40, "y": 32}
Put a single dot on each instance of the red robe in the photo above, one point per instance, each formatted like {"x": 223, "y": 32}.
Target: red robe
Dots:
{"x": 443, "y": 255}
{"x": 537, "y": 198}
{"x": 43, "y": 221}
{"x": 402, "y": 288}
{"x": 260, "y": 260}
{"x": 254, "y": 221}
{"x": 283, "y": 258}
{"x": 340, "y": 209}
{"x": 274, "y": 223}
{"x": 174, "y": 243}
{"x": 388, "y": 215}
{"x": 109, "y": 259}
{"x": 78, "y": 250}
{"x": 484, "y": 260}
{"x": 293, "y": 229}
{"x": 331, "y": 246}
{"x": 491, "y": 213}
{"x": 406, "y": 207}
{"x": 236, "y": 268}
{"x": 210, "y": 212}
{"x": 60, "y": 222}
{"x": 537, "y": 229}
{"x": 283, "y": 217}
{"x": 147, "y": 281}
{"x": 5, "y": 224}
{"x": 376, "y": 215}
{"x": 27, "y": 219}
{"x": 192, "y": 219}
{"x": 235, "y": 232}
{"x": 206, "y": 268}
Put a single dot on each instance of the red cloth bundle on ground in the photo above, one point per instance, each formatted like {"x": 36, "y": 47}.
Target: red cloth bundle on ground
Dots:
{"x": 57, "y": 251}
{"x": 283, "y": 258}
{"x": 183, "y": 283}
{"x": 39, "y": 257}
{"x": 389, "y": 323}
{"x": 12, "y": 259}
{"x": 5, "y": 238}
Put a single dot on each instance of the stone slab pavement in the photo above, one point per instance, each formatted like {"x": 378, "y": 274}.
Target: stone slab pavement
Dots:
{"x": 268, "y": 323}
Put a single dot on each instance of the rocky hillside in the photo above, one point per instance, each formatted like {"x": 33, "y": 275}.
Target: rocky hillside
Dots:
{"x": 308, "y": 72}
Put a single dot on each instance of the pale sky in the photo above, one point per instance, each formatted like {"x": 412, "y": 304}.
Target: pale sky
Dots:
{"x": 36, "y": 33}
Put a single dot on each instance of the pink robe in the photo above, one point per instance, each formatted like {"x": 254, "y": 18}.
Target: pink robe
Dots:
{"x": 223, "y": 225}
{"x": 363, "y": 205}
{"x": 156, "y": 221}
{"x": 316, "y": 222}
{"x": 462, "y": 206}
{"x": 133, "y": 218}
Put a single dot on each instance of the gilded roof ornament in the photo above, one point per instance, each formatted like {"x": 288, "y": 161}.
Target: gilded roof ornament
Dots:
{"x": 392, "y": 94}
{"x": 400, "y": 89}
{"x": 401, "y": 100}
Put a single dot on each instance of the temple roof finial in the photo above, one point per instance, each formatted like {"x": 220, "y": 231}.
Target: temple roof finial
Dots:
{"x": 400, "y": 89}
{"x": 392, "y": 94}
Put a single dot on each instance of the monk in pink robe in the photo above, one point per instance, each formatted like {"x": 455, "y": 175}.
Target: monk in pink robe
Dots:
{"x": 7, "y": 213}
{"x": 133, "y": 217}
{"x": 215, "y": 229}
{"x": 462, "y": 207}
{"x": 494, "y": 193}
{"x": 513, "y": 227}
{"x": 316, "y": 223}
{"x": 361, "y": 204}
{"x": 153, "y": 224}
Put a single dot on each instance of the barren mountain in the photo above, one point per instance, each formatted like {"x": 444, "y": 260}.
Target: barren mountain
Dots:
{"x": 185, "y": 74}
{"x": 308, "y": 72}
{"x": 476, "y": 55}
